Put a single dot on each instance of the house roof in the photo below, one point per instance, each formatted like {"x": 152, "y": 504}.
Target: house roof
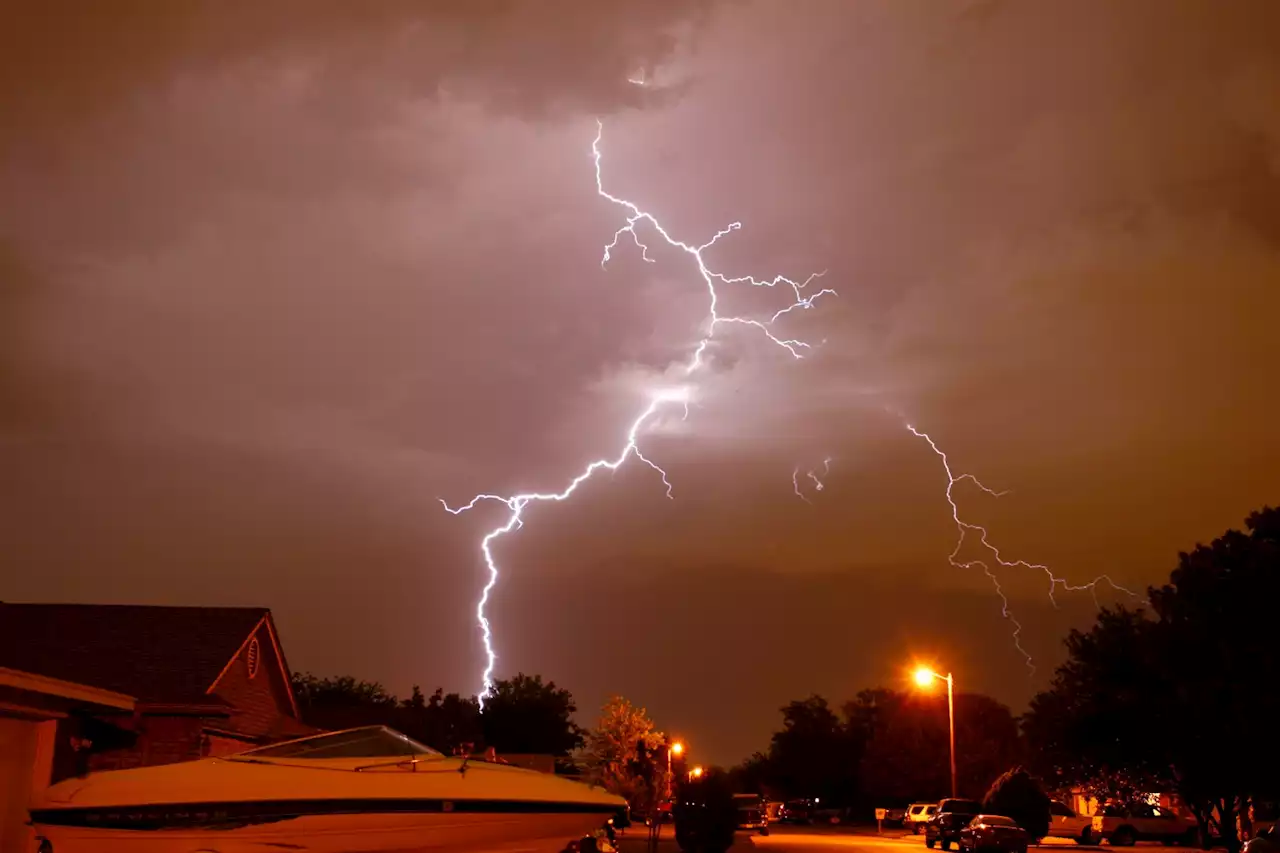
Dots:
{"x": 161, "y": 655}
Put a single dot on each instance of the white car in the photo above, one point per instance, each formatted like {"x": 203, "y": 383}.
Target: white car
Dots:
{"x": 1123, "y": 825}
{"x": 1065, "y": 823}
{"x": 919, "y": 814}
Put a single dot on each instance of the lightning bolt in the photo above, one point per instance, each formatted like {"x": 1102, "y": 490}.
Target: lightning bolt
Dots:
{"x": 966, "y": 528}
{"x": 811, "y": 474}
{"x": 636, "y": 217}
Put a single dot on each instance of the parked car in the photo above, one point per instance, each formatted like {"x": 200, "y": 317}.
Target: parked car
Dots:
{"x": 918, "y": 814}
{"x": 798, "y": 811}
{"x": 895, "y": 817}
{"x": 1065, "y": 823}
{"x": 751, "y": 813}
{"x": 990, "y": 832}
{"x": 1123, "y": 825}
{"x": 952, "y": 817}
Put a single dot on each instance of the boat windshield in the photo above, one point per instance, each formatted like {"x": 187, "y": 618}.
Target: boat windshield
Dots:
{"x": 367, "y": 742}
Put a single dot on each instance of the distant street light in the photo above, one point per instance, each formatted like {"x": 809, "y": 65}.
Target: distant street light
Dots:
{"x": 696, "y": 772}
{"x": 924, "y": 679}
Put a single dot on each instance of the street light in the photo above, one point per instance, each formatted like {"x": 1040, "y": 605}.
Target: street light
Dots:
{"x": 676, "y": 748}
{"x": 696, "y": 772}
{"x": 924, "y": 678}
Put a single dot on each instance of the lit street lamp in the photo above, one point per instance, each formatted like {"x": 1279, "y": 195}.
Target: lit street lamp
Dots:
{"x": 675, "y": 749}
{"x": 696, "y": 772}
{"x": 924, "y": 679}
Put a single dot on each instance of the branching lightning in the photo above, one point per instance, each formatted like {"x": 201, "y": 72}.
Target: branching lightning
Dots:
{"x": 965, "y": 528}
{"x": 636, "y": 217}
{"x": 658, "y": 399}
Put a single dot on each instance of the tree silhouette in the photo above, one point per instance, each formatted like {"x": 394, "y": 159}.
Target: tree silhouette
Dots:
{"x": 810, "y": 756}
{"x": 1185, "y": 700}
{"x": 1017, "y": 795}
{"x": 886, "y": 746}
{"x": 908, "y": 756}
{"x": 526, "y": 715}
{"x": 1097, "y": 727}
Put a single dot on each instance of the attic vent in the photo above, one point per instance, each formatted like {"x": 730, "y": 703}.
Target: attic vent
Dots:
{"x": 252, "y": 656}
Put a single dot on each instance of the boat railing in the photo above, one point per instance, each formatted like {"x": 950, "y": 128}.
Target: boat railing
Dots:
{"x": 411, "y": 763}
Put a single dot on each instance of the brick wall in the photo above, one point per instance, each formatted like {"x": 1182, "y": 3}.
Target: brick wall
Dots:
{"x": 258, "y": 701}
{"x": 161, "y": 740}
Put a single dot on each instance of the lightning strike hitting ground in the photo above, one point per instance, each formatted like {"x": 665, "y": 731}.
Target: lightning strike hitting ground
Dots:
{"x": 964, "y": 528}
{"x": 635, "y": 216}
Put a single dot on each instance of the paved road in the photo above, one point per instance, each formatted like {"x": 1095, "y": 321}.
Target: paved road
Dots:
{"x": 786, "y": 839}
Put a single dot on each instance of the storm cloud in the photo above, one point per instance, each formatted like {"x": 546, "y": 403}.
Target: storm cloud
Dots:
{"x": 275, "y": 278}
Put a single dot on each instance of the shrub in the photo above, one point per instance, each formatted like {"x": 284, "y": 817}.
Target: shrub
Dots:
{"x": 1017, "y": 795}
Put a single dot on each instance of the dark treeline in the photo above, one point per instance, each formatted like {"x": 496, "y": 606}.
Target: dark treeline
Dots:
{"x": 1179, "y": 697}
{"x": 883, "y": 748}
{"x": 524, "y": 714}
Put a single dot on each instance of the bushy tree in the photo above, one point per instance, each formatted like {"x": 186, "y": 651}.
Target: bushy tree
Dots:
{"x": 524, "y": 714}
{"x": 1098, "y": 728}
{"x": 908, "y": 756}
{"x": 884, "y": 746}
{"x": 619, "y": 749}
{"x": 448, "y": 722}
{"x": 812, "y": 754}
{"x": 1016, "y": 794}
{"x": 1186, "y": 699}
{"x": 342, "y": 702}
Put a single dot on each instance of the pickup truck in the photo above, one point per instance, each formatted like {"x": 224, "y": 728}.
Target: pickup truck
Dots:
{"x": 1123, "y": 825}
{"x": 1065, "y": 823}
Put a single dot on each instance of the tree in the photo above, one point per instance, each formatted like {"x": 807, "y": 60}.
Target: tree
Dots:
{"x": 624, "y": 737}
{"x": 1017, "y": 795}
{"x": 908, "y": 756}
{"x": 752, "y": 776}
{"x": 525, "y": 715}
{"x": 342, "y": 702}
{"x": 811, "y": 756}
{"x": 1098, "y": 726}
{"x": 1184, "y": 700}
{"x": 1216, "y": 640}
{"x": 447, "y": 722}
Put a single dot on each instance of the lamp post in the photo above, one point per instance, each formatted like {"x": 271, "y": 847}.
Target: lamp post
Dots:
{"x": 655, "y": 827}
{"x": 924, "y": 679}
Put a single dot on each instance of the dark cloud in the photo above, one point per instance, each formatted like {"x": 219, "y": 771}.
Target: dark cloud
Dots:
{"x": 278, "y": 277}
{"x": 61, "y": 61}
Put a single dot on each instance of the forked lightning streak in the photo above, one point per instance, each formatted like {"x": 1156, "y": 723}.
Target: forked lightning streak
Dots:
{"x": 636, "y": 217}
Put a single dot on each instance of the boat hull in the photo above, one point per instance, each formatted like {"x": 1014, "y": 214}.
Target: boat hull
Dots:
{"x": 342, "y": 833}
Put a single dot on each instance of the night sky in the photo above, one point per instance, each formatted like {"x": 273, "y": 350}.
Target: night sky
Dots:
{"x": 274, "y": 278}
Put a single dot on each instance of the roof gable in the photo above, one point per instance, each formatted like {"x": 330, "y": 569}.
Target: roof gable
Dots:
{"x": 162, "y": 655}
{"x": 281, "y": 675}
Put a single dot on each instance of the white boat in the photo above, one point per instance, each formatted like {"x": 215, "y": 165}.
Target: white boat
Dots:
{"x": 365, "y": 790}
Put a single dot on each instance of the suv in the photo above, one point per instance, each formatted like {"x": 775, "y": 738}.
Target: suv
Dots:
{"x": 919, "y": 814}
{"x": 1123, "y": 825}
{"x": 953, "y": 815}
{"x": 1065, "y": 823}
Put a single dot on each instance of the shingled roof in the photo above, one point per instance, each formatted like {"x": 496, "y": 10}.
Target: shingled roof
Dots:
{"x": 160, "y": 655}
